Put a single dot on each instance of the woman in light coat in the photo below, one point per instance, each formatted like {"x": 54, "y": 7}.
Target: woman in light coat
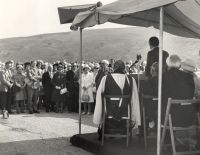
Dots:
{"x": 87, "y": 89}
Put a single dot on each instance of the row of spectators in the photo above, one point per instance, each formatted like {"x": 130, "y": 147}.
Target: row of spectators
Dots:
{"x": 31, "y": 85}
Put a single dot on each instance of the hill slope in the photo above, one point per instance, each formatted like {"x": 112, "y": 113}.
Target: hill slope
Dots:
{"x": 122, "y": 43}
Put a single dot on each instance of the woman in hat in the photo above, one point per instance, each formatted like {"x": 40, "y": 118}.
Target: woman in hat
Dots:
{"x": 189, "y": 66}
{"x": 19, "y": 89}
{"x": 59, "y": 83}
{"x": 87, "y": 89}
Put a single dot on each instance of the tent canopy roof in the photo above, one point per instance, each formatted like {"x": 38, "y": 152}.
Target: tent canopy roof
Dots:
{"x": 68, "y": 13}
{"x": 180, "y": 16}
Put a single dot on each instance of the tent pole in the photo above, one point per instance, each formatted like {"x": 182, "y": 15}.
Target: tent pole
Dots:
{"x": 80, "y": 78}
{"x": 160, "y": 80}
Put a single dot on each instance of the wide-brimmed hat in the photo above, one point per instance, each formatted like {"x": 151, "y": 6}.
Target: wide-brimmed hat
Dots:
{"x": 86, "y": 66}
{"x": 188, "y": 65}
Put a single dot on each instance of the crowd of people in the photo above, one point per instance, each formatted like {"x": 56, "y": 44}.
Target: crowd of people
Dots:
{"x": 55, "y": 86}
{"x": 36, "y": 84}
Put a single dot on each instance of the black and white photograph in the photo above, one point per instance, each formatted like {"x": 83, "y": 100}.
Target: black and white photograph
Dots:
{"x": 108, "y": 77}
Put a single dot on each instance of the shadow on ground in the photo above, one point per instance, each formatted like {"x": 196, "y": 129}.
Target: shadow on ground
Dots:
{"x": 54, "y": 146}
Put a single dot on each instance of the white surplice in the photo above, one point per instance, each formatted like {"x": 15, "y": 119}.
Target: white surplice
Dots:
{"x": 120, "y": 80}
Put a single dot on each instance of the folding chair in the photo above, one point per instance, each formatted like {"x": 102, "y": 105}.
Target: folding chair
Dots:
{"x": 143, "y": 105}
{"x": 169, "y": 125}
{"x": 118, "y": 115}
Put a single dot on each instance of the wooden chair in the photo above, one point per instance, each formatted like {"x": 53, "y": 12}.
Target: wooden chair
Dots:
{"x": 169, "y": 125}
{"x": 113, "y": 112}
{"x": 143, "y": 98}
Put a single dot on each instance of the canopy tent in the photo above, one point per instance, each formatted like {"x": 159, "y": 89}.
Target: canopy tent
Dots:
{"x": 180, "y": 19}
{"x": 68, "y": 13}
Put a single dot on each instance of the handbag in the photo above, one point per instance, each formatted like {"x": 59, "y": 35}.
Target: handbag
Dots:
{"x": 85, "y": 96}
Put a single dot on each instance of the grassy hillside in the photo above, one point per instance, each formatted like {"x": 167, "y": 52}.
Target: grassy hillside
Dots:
{"x": 122, "y": 43}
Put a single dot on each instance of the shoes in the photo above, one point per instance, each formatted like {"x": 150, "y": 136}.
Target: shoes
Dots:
{"x": 30, "y": 112}
{"x": 83, "y": 113}
{"x": 89, "y": 113}
{"x": 36, "y": 111}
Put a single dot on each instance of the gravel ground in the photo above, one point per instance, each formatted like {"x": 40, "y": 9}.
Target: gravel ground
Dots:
{"x": 42, "y": 134}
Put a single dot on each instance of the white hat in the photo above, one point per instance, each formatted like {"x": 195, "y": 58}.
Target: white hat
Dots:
{"x": 105, "y": 62}
{"x": 86, "y": 66}
{"x": 188, "y": 65}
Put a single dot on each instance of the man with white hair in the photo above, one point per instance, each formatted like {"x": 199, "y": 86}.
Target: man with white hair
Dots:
{"x": 104, "y": 70}
{"x": 178, "y": 85}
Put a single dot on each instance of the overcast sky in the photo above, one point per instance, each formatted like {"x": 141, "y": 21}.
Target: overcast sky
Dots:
{"x": 31, "y": 17}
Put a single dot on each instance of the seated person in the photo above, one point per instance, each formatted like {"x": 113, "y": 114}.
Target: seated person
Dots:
{"x": 117, "y": 83}
{"x": 189, "y": 66}
{"x": 150, "y": 87}
{"x": 178, "y": 85}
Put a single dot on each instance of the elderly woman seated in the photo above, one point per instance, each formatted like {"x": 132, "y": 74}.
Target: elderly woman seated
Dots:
{"x": 117, "y": 83}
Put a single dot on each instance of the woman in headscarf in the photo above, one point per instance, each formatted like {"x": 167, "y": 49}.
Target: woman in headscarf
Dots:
{"x": 19, "y": 89}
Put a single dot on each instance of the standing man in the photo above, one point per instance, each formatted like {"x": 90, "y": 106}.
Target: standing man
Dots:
{"x": 6, "y": 84}
{"x": 104, "y": 70}
{"x": 48, "y": 86}
{"x": 33, "y": 86}
{"x": 153, "y": 55}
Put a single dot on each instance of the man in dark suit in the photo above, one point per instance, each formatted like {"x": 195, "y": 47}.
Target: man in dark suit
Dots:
{"x": 104, "y": 70}
{"x": 153, "y": 55}
{"x": 48, "y": 86}
{"x": 179, "y": 85}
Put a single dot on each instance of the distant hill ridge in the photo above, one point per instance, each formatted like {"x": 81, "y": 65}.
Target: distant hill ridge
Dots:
{"x": 119, "y": 43}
